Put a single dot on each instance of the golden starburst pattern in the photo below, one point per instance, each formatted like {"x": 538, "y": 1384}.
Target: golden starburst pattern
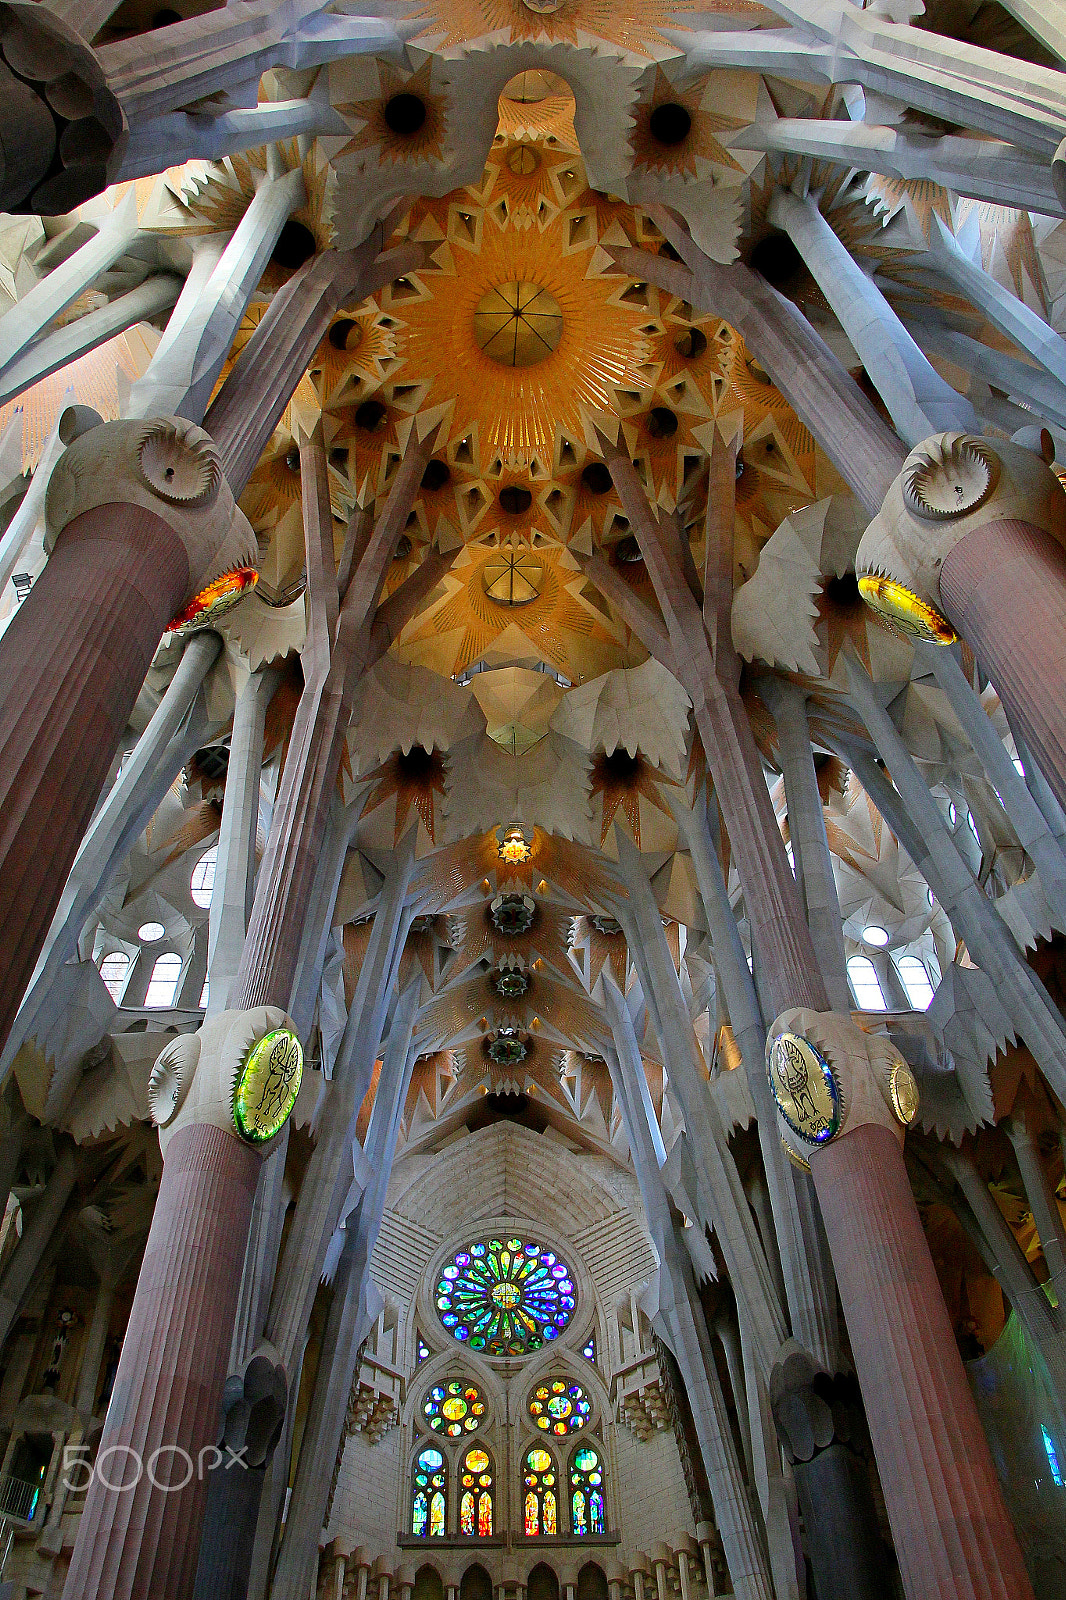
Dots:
{"x": 675, "y": 130}
{"x": 636, "y": 27}
{"x": 403, "y": 124}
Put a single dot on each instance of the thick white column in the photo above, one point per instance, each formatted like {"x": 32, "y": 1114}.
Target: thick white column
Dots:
{"x": 188, "y": 359}
{"x": 682, "y": 1324}
{"x": 918, "y": 399}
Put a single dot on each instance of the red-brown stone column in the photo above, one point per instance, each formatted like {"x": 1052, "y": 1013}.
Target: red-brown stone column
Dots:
{"x": 1003, "y": 588}
{"x": 844, "y": 1098}
{"x": 72, "y": 661}
{"x": 145, "y": 1541}
{"x": 952, "y": 1534}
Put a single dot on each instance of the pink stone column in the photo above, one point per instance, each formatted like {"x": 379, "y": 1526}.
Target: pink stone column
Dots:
{"x": 952, "y": 1533}
{"x": 72, "y": 661}
{"x": 142, "y": 1543}
{"x": 1003, "y": 588}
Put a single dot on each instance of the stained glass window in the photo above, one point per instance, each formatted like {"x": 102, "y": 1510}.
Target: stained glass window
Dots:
{"x": 454, "y": 1408}
{"x": 560, "y": 1407}
{"x": 505, "y": 1296}
{"x": 421, "y": 1351}
{"x": 589, "y": 1350}
{"x": 541, "y": 1502}
{"x": 586, "y": 1497}
{"x": 428, "y": 1495}
{"x": 475, "y": 1491}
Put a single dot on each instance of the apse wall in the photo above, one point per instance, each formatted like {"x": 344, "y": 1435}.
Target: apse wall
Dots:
{"x": 508, "y": 1179}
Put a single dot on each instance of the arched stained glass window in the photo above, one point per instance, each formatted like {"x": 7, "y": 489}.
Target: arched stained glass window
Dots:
{"x": 114, "y": 969}
{"x": 429, "y": 1489}
{"x": 586, "y": 1491}
{"x": 475, "y": 1495}
{"x": 560, "y": 1407}
{"x": 541, "y": 1514}
{"x": 454, "y": 1408}
{"x": 505, "y": 1296}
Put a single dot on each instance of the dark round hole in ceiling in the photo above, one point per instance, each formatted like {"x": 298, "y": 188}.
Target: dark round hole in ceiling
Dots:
{"x": 292, "y": 458}
{"x": 436, "y": 475}
{"x": 340, "y": 333}
{"x": 843, "y": 591}
{"x": 778, "y": 260}
{"x": 690, "y": 344}
{"x": 739, "y": 465}
{"x": 515, "y": 500}
{"x": 296, "y": 244}
{"x": 661, "y": 423}
{"x": 370, "y": 415}
{"x": 415, "y": 764}
{"x": 405, "y": 114}
{"x": 596, "y": 478}
{"x": 627, "y": 551}
{"x": 670, "y": 123}
{"x": 403, "y": 548}
{"x": 620, "y": 765}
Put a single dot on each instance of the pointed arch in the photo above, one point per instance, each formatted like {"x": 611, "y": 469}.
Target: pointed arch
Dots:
{"x": 477, "y": 1494}
{"x": 540, "y": 1493}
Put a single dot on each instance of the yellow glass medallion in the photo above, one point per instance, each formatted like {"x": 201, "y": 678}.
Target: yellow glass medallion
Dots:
{"x": 904, "y": 1090}
{"x": 903, "y": 611}
{"x": 267, "y": 1087}
{"x": 804, "y": 1088}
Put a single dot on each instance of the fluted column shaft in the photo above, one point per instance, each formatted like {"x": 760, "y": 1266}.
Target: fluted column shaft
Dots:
{"x": 71, "y": 663}
{"x": 952, "y": 1534}
{"x": 179, "y": 1329}
{"x": 1003, "y": 588}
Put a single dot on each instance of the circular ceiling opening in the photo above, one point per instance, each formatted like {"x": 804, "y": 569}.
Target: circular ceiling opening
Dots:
{"x": 515, "y": 500}
{"x": 661, "y": 423}
{"x": 518, "y": 324}
{"x": 596, "y": 477}
{"x": 436, "y": 475}
{"x": 369, "y": 415}
{"x": 670, "y": 124}
{"x": 346, "y": 334}
{"x": 777, "y": 258}
{"x": 691, "y": 344}
{"x": 296, "y": 244}
{"x": 512, "y": 577}
{"x": 527, "y": 88}
{"x": 405, "y": 114}
{"x": 523, "y": 160}
{"x": 543, "y": 8}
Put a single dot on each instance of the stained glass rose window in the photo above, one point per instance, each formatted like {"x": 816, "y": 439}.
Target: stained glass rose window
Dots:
{"x": 454, "y": 1408}
{"x": 505, "y": 1296}
{"x": 560, "y": 1407}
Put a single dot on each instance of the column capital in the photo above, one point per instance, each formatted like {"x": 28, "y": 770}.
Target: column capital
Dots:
{"x": 828, "y": 1077}
{"x": 951, "y": 485}
{"x": 169, "y": 467}
{"x": 241, "y": 1072}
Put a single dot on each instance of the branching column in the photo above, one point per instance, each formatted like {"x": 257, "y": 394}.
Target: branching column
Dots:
{"x": 127, "y": 553}
{"x": 844, "y": 1098}
{"x": 972, "y": 535}
{"x": 349, "y": 1318}
{"x": 142, "y": 1539}
{"x": 683, "y": 1324}
{"x": 957, "y": 1542}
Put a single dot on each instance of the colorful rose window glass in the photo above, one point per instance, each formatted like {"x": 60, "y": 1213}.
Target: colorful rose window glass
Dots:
{"x": 454, "y": 1408}
{"x": 506, "y": 1297}
{"x": 560, "y": 1407}
{"x": 475, "y": 1502}
{"x": 541, "y": 1503}
{"x": 428, "y": 1498}
{"x": 586, "y": 1484}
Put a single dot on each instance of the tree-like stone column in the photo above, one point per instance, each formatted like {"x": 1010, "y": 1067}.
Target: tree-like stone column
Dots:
{"x": 149, "y": 1479}
{"x": 970, "y": 540}
{"x": 139, "y": 520}
{"x": 844, "y": 1098}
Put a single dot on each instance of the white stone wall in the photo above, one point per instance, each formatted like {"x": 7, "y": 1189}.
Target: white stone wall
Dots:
{"x": 651, "y": 1493}
{"x": 364, "y": 1504}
